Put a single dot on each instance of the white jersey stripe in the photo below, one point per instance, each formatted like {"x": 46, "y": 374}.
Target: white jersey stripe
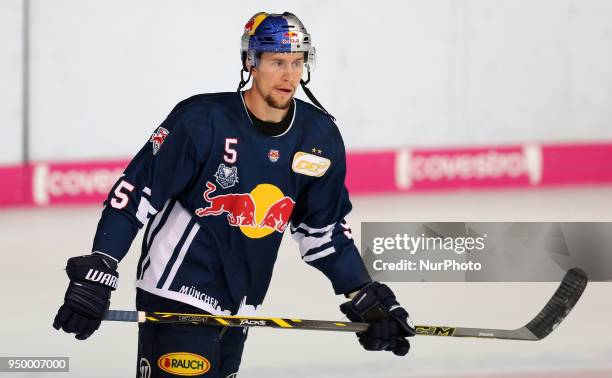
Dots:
{"x": 312, "y": 230}
{"x": 182, "y": 298}
{"x": 165, "y": 241}
{"x": 144, "y": 209}
{"x": 156, "y": 221}
{"x": 245, "y": 309}
{"x": 319, "y": 255}
{"x": 306, "y": 243}
{"x": 181, "y": 256}
{"x": 151, "y": 230}
{"x": 142, "y": 266}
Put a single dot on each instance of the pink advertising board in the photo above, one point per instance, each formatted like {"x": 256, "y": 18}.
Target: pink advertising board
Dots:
{"x": 368, "y": 172}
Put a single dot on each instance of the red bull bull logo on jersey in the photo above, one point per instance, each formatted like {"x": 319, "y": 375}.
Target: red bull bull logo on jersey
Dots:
{"x": 240, "y": 207}
{"x": 258, "y": 214}
{"x": 277, "y": 216}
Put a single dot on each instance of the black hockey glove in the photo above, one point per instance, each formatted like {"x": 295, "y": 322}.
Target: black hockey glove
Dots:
{"x": 389, "y": 324}
{"x": 92, "y": 278}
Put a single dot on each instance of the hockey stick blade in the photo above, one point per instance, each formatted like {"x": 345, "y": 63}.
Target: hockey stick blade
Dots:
{"x": 542, "y": 325}
{"x": 556, "y": 309}
{"x": 560, "y": 305}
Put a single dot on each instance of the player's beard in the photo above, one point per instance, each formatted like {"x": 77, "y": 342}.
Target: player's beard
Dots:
{"x": 277, "y": 104}
{"x": 269, "y": 97}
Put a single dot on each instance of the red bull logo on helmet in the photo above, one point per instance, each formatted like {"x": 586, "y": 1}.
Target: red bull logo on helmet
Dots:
{"x": 258, "y": 214}
{"x": 290, "y": 37}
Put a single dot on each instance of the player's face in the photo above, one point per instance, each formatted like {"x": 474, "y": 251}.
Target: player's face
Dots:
{"x": 277, "y": 76}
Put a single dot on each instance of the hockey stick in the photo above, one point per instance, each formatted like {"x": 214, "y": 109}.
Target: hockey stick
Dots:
{"x": 553, "y": 313}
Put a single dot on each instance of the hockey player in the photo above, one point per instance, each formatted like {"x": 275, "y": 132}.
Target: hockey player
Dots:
{"x": 217, "y": 184}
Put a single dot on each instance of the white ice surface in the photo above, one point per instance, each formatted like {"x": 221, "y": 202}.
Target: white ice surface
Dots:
{"x": 36, "y": 243}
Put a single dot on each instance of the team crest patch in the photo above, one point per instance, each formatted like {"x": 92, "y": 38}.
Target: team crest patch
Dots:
{"x": 158, "y": 138}
{"x": 273, "y": 155}
{"x": 226, "y": 176}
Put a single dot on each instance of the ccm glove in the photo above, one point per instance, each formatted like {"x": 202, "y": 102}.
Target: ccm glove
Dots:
{"x": 92, "y": 278}
{"x": 389, "y": 324}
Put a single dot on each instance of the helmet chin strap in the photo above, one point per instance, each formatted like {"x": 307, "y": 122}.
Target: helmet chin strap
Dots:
{"x": 312, "y": 98}
{"x": 242, "y": 81}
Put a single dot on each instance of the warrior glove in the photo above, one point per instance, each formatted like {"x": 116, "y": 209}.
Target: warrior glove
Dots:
{"x": 389, "y": 324}
{"x": 92, "y": 278}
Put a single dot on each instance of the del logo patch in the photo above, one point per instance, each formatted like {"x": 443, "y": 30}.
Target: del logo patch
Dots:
{"x": 183, "y": 363}
{"x": 310, "y": 165}
{"x": 158, "y": 138}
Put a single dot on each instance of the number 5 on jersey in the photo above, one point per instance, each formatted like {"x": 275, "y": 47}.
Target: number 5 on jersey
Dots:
{"x": 230, "y": 153}
{"x": 121, "y": 198}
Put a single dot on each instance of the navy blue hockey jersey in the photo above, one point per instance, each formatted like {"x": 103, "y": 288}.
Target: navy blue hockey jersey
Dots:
{"x": 218, "y": 195}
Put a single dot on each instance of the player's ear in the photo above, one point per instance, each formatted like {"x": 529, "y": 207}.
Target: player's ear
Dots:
{"x": 252, "y": 69}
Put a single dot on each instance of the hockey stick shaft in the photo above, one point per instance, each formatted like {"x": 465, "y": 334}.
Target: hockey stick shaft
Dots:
{"x": 553, "y": 313}
{"x": 233, "y": 321}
